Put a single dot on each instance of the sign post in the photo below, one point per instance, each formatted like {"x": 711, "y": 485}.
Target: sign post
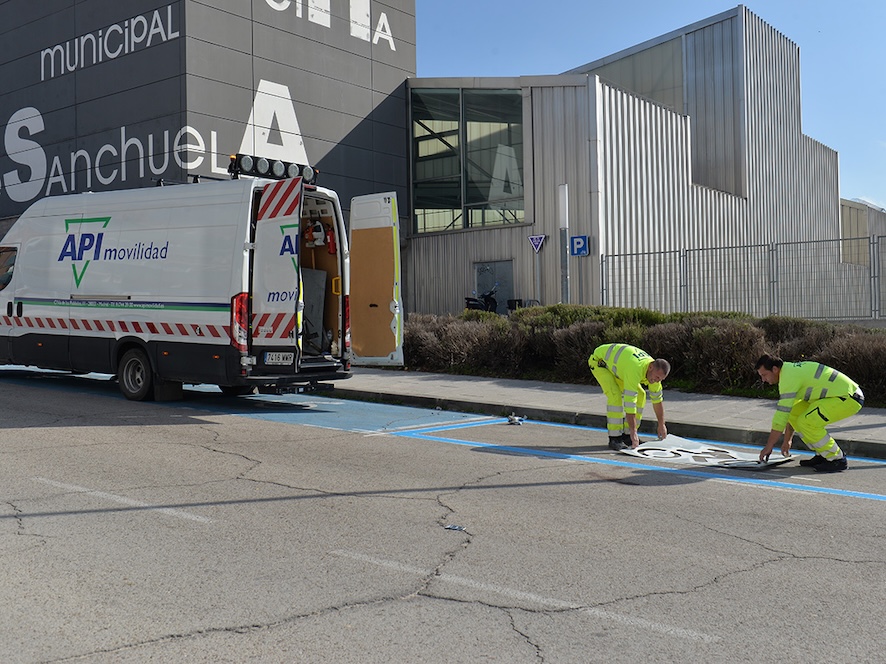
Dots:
{"x": 563, "y": 214}
{"x": 578, "y": 246}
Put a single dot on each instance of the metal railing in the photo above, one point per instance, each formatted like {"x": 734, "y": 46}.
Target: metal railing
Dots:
{"x": 817, "y": 279}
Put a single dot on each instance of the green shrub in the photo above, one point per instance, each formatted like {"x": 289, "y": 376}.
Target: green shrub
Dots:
{"x": 483, "y": 344}
{"x": 672, "y": 341}
{"x": 681, "y": 316}
{"x": 573, "y": 347}
{"x": 538, "y": 343}
{"x": 626, "y": 333}
{"x": 708, "y": 351}
{"x": 861, "y": 356}
{"x": 722, "y": 355}
{"x": 779, "y": 329}
{"x": 421, "y": 342}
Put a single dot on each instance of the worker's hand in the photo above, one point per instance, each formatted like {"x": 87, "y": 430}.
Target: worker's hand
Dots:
{"x": 786, "y": 447}
{"x": 662, "y": 431}
{"x": 635, "y": 440}
{"x": 765, "y": 452}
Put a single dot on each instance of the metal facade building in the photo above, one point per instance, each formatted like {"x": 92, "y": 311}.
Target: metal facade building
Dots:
{"x": 692, "y": 140}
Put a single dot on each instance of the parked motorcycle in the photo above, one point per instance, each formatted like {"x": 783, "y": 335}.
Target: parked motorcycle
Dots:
{"x": 484, "y": 302}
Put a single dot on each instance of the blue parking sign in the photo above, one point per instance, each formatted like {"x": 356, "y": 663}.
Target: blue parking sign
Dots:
{"x": 578, "y": 245}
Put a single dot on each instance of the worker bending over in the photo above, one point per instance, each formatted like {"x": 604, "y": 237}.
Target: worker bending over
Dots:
{"x": 622, "y": 370}
{"x": 811, "y": 396}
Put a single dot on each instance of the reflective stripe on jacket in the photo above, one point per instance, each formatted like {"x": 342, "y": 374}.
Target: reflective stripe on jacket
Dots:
{"x": 629, "y": 364}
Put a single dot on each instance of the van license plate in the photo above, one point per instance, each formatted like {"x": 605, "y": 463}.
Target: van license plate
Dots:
{"x": 279, "y": 358}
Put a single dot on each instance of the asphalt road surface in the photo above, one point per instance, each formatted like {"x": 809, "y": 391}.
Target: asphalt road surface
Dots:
{"x": 309, "y": 529}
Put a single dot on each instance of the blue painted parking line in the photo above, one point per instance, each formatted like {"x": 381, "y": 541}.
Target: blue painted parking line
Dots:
{"x": 698, "y": 474}
{"x": 720, "y": 443}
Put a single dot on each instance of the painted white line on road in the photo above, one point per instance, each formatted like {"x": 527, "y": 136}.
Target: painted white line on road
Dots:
{"x": 181, "y": 514}
{"x": 551, "y": 602}
{"x": 468, "y": 422}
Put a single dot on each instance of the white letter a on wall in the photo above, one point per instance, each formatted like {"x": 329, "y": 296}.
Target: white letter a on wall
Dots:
{"x": 272, "y": 130}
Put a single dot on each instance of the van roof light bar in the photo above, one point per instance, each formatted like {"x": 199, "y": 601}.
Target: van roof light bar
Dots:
{"x": 275, "y": 169}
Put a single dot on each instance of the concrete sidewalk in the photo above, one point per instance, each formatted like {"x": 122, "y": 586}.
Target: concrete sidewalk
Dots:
{"x": 727, "y": 419}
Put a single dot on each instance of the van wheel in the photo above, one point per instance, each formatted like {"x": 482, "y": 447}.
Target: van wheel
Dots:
{"x": 134, "y": 374}
{"x": 237, "y": 390}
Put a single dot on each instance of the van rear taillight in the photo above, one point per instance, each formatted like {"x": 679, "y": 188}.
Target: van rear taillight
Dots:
{"x": 240, "y": 322}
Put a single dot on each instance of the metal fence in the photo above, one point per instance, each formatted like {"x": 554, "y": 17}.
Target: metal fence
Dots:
{"x": 818, "y": 279}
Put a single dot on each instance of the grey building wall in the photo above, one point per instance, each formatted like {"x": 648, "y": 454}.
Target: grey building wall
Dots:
{"x": 862, "y": 220}
{"x": 107, "y": 94}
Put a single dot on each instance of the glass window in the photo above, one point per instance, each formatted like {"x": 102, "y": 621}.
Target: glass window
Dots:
{"x": 7, "y": 263}
{"x": 468, "y": 158}
{"x": 494, "y": 157}
{"x": 436, "y": 159}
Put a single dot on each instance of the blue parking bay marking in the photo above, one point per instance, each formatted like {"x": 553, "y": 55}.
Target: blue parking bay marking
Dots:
{"x": 331, "y": 413}
{"x": 426, "y": 434}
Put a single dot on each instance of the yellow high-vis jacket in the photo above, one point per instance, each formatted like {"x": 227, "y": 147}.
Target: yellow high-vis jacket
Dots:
{"x": 629, "y": 364}
{"x": 808, "y": 381}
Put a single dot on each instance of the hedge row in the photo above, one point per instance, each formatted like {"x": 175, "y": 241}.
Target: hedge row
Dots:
{"x": 710, "y": 352}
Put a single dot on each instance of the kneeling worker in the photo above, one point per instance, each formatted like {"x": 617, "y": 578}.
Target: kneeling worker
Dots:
{"x": 811, "y": 396}
{"x": 622, "y": 370}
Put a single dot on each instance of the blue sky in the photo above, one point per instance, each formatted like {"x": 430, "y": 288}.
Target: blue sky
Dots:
{"x": 842, "y": 56}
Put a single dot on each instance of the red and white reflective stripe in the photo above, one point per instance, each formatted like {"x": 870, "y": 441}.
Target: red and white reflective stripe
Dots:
{"x": 280, "y": 199}
{"x": 177, "y": 330}
{"x": 267, "y": 326}
{"x": 273, "y": 326}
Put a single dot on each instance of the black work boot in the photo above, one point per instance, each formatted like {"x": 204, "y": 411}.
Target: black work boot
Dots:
{"x": 814, "y": 461}
{"x": 617, "y": 443}
{"x": 833, "y": 466}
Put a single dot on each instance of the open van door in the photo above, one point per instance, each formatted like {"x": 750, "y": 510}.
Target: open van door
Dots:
{"x": 8, "y": 305}
{"x": 376, "y": 300}
{"x": 277, "y": 299}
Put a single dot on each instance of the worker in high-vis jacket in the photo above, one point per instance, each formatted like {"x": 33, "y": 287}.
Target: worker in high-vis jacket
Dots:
{"x": 811, "y": 396}
{"x": 622, "y": 371}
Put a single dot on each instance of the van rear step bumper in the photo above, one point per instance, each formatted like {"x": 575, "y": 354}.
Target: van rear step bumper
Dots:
{"x": 295, "y": 389}
{"x": 298, "y": 383}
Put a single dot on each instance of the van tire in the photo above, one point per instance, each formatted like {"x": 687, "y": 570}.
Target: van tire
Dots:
{"x": 134, "y": 375}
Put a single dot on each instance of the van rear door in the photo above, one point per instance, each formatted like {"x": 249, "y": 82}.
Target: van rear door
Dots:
{"x": 376, "y": 300}
{"x": 277, "y": 300}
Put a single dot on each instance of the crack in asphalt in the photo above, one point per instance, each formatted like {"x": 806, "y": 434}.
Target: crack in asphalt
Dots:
{"x": 526, "y": 637}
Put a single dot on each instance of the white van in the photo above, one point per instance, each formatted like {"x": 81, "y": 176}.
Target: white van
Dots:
{"x": 240, "y": 283}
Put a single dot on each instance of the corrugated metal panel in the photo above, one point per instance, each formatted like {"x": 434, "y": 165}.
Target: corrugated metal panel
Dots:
{"x": 441, "y": 266}
{"x": 561, "y": 155}
{"x": 792, "y": 179}
{"x": 714, "y": 85}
